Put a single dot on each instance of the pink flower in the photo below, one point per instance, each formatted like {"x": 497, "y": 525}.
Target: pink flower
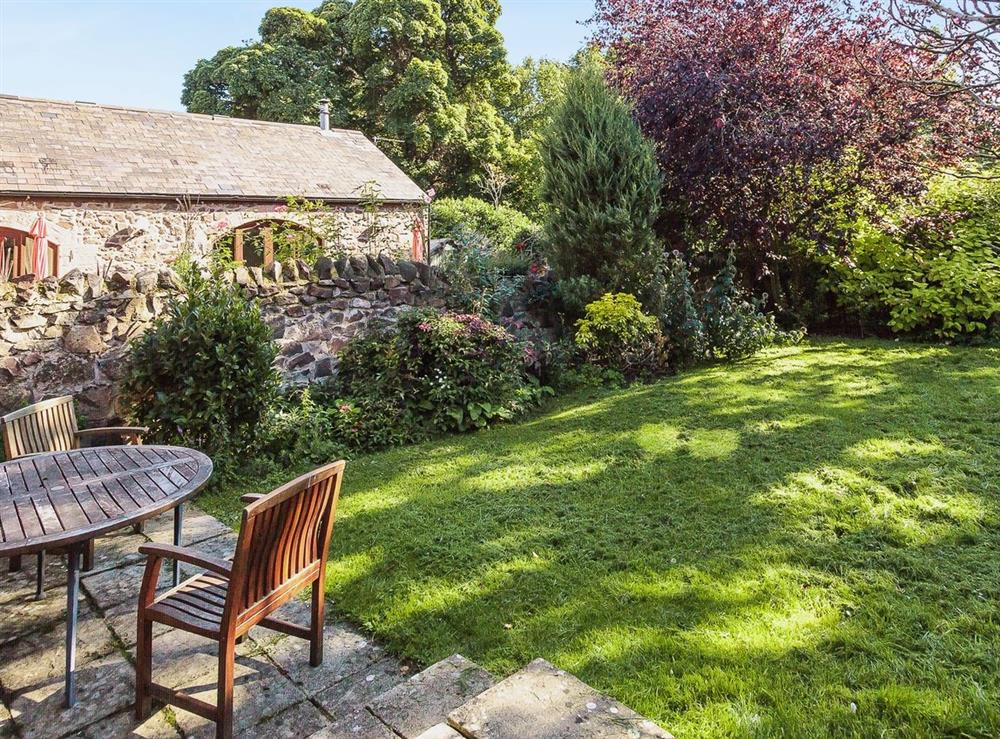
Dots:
{"x": 424, "y": 326}
{"x": 223, "y": 223}
{"x": 344, "y": 408}
{"x": 281, "y": 209}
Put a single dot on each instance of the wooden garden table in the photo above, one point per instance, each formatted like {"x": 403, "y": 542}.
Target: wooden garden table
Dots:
{"x": 62, "y": 500}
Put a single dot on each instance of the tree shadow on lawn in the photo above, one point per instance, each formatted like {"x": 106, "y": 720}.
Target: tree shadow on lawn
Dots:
{"x": 740, "y": 550}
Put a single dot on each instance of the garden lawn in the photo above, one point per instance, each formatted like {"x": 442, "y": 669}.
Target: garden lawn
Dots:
{"x": 802, "y": 544}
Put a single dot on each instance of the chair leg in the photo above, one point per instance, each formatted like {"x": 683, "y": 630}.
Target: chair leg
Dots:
{"x": 224, "y": 704}
{"x": 316, "y": 627}
{"x": 143, "y": 668}
{"x": 15, "y": 563}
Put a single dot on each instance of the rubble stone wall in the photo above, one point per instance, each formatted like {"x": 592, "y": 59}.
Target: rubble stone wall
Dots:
{"x": 139, "y": 235}
{"x": 70, "y": 335}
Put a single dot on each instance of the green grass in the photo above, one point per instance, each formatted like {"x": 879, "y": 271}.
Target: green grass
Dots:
{"x": 804, "y": 544}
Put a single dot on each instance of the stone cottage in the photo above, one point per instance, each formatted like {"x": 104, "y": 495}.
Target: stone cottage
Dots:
{"x": 129, "y": 189}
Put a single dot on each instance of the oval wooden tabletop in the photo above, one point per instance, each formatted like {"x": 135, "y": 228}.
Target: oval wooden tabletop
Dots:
{"x": 50, "y": 500}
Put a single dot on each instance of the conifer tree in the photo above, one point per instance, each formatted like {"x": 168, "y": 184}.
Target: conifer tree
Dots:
{"x": 601, "y": 185}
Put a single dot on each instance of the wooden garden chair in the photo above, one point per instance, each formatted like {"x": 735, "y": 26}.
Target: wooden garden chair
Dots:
{"x": 50, "y": 426}
{"x": 281, "y": 551}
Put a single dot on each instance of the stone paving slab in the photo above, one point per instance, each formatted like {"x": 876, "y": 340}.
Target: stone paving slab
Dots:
{"x": 544, "y": 702}
{"x": 6, "y": 721}
{"x": 190, "y": 663}
{"x": 38, "y": 658}
{"x": 115, "y": 587}
{"x": 345, "y": 650}
{"x": 302, "y": 719}
{"x": 104, "y": 686}
{"x": 21, "y": 613}
{"x": 277, "y": 694}
{"x": 355, "y": 691}
{"x": 426, "y": 699}
{"x": 111, "y": 552}
{"x": 356, "y": 724}
{"x": 123, "y": 724}
{"x": 122, "y": 621}
{"x": 220, "y": 547}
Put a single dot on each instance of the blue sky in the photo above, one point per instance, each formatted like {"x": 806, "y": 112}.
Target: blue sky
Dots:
{"x": 135, "y": 52}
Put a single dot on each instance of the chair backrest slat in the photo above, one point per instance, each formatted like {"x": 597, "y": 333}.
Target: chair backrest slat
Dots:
{"x": 283, "y": 534}
{"x": 49, "y": 426}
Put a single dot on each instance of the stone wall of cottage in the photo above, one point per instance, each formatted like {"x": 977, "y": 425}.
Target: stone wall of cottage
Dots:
{"x": 70, "y": 335}
{"x": 141, "y": 235}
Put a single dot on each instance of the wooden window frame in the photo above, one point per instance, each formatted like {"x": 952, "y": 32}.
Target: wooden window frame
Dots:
{"x": 21, "y": 252}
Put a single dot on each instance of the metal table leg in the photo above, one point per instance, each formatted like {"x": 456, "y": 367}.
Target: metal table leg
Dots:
{"x": 40, "y": 576}
{"x": 72, "y": 593}
{"x": 178, "y": 523}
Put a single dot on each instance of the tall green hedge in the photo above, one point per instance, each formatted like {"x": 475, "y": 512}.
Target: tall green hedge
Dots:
{"x": 929, "y": 267}
{"x": 502, "y": 226}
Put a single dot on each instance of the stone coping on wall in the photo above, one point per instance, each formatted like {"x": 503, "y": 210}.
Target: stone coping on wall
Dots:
{"x": 69, "y": 335}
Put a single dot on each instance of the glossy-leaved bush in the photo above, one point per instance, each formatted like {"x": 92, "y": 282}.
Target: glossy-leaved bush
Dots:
{"x": 203, "y": 374}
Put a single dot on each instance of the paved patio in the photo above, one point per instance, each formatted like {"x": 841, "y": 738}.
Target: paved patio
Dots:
{"x": 359, "y": 692}
{"x": 277, "y": 694}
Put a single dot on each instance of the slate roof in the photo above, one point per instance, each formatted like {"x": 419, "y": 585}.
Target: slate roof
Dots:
{"x": 49, "y": 147}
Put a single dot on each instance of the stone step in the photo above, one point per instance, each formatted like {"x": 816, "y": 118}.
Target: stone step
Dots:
{"x": 440, "y": 731}
{"x": 543, "y": 702}
{"x": 425, "y": 700}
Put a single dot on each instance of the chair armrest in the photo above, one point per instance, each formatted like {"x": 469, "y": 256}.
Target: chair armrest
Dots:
{"x": 125, "y": 433}
{"x": 251, "y": 497}
{"x": 184, "y": 554}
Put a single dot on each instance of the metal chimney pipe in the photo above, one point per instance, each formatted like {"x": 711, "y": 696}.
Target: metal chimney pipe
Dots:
{"x": 324, "y": 115}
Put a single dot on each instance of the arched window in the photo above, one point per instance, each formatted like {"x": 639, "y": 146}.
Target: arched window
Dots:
{"x": 16, "y": 251}
{"x": 258, "y": 243}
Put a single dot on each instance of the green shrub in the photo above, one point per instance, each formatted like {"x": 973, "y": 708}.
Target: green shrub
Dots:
{"x": 735, "y": 326}
{"x": 297, "y": 429}
{"x": 930, "y": 267}
{"x": 203, "y": 373}
{"x": 677, "y": 307}
{"x": 438, "y": 372}
{"x": 546, "y": 357}
{"x": 481, "y": 280}
{"x": 614, "y": 333}
{"x": 574, "y": 294}
{"x": 502, "y": 227}
{"x": 601, "y": 184}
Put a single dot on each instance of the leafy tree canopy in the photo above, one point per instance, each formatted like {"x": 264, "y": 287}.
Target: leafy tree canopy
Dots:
{"x": 428, "y": 79}
{"x": 747, "y": 100}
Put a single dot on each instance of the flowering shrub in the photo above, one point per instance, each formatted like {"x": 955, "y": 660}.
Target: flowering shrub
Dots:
{"x": 438, "y": 372}
{"x": 614, "y": 333}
